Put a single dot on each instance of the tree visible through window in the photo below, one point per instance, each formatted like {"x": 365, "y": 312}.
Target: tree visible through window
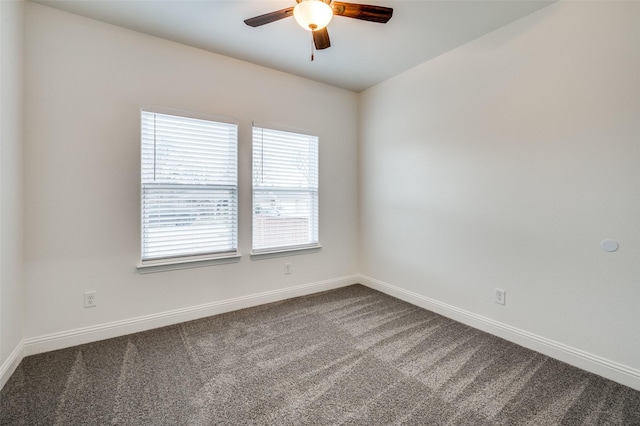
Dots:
{"x": 189, "y": 185}
{"x": 285, "y": 190}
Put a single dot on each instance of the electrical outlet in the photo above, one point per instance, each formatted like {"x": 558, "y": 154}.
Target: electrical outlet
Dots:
{"x": 500, "y": 296}
{"x": 288, "y": 268}
{"x": 90, "y": 299}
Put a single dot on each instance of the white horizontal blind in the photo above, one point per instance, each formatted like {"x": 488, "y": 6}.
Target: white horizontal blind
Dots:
{"x": 285, "y": 190}
{"x": 189, "y": 186}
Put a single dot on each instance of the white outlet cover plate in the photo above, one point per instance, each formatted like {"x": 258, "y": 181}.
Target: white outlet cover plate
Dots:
{"x": 90, "y": 299}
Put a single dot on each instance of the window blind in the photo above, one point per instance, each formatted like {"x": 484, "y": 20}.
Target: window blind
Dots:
{"x": 189, "y": 186}
{"x": 285, "y": 190}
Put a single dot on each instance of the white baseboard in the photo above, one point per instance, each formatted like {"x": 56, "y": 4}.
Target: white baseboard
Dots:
{"x": 606, "y": 368}
{"x": 11, "y": 363}
{"x": 54, "y": 341}
{"x": 595, "y": 364}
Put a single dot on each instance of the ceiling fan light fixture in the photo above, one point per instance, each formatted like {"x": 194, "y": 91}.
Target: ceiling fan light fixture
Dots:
{"x": 313, "y": 15}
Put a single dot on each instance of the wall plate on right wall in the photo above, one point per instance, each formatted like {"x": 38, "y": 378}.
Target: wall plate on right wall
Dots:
{"x": 609, "y": 245}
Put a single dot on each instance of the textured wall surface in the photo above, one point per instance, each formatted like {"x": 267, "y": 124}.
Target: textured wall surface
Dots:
{"x": 11, "y": 178}
{"x": 505, "y": 163}
{"x": 85, "y": 83}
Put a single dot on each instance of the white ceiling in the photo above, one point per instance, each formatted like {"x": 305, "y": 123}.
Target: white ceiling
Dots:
{"x": 361, "y": 55}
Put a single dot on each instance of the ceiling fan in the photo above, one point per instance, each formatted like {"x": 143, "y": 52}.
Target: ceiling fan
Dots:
{"x": 315, "y": 15}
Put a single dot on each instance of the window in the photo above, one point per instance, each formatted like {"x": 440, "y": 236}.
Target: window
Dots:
{"x": 285, "y": 190}
{"x": 189, "y": 186}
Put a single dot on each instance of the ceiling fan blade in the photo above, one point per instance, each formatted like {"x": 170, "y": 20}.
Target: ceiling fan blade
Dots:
{"x": 321, "y": 38}
{"x": 267, "y": 18}
{"x": 366, "y": 12}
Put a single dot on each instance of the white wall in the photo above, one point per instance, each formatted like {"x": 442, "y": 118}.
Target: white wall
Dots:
{"x": 85, "y": 82}
{"x": 11, "y": 277}
{"x": 504, "y": 163}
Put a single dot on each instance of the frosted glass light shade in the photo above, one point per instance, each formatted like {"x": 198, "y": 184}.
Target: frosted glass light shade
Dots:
{"x": 313, "y": 14}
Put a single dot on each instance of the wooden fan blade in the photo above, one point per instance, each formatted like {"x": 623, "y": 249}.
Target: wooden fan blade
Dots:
{"x": 321, "y": 38}
{"x": 366, "y": 12}
{"x": 267, "y": 18}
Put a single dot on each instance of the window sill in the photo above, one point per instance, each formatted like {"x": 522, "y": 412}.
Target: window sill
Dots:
{"x": 291, "y": 251}
{"x": 151, "y": 266}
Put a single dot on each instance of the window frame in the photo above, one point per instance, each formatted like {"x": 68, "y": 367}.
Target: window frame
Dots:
{"x": 278, "y": 251}
{"x": 156, "y": 264}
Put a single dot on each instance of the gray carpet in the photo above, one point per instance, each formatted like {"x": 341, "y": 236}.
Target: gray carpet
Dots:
{"x": 350, "y": 356}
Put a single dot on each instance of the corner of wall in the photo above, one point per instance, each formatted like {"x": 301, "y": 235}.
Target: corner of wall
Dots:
{"x": 11, "y": 187}
{"x": 9, "y": 366}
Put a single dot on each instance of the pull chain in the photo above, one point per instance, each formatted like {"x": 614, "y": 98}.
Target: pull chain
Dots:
{"x": 312, "y": 46}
